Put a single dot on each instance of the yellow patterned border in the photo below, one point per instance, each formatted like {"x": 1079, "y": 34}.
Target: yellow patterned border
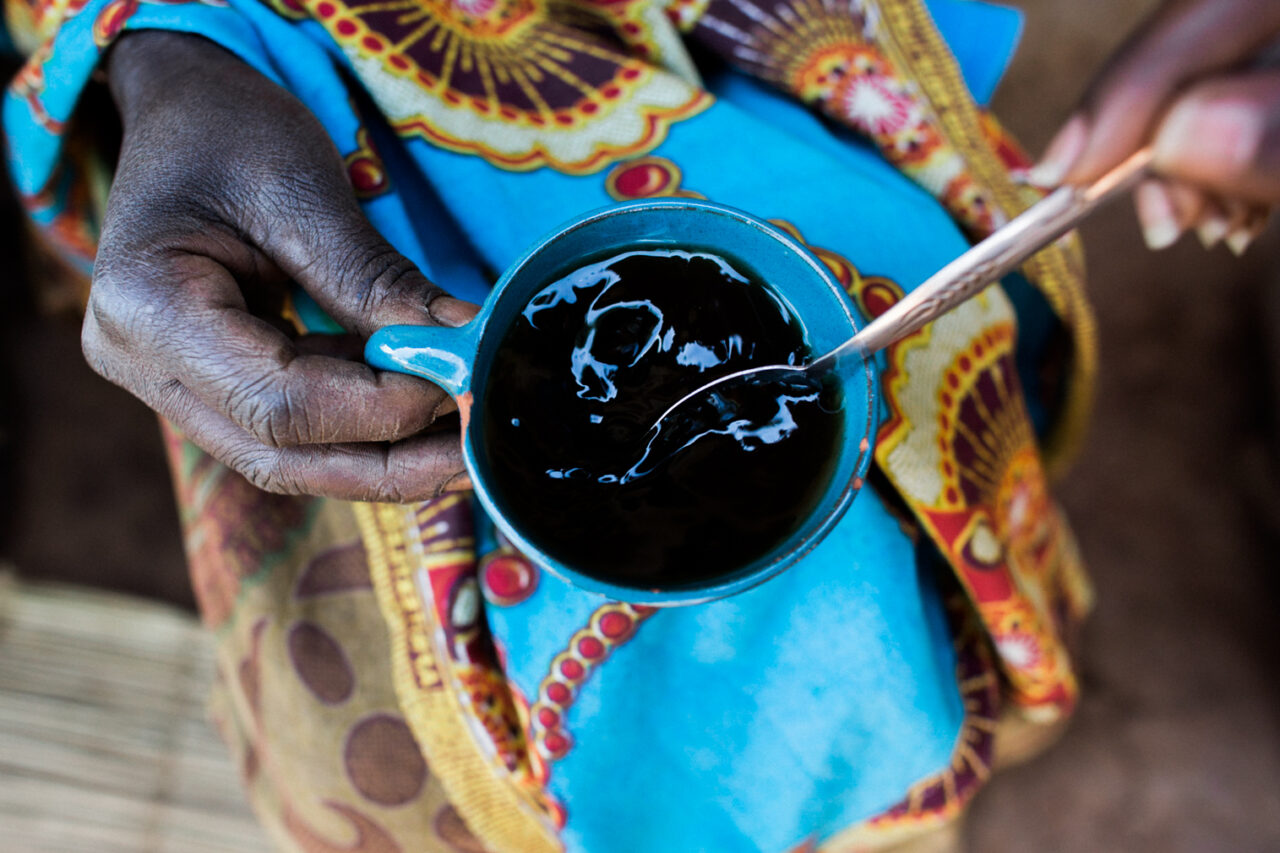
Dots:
{"x": 492, "y": 807}
{"x": 915, "y": 46}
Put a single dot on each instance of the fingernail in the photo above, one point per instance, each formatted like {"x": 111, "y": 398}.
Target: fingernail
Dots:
{"x": 1212, "y": 229}
{"x": 460, "y": 482}
{"x": 448, "y": 311}
{"x": 1061, "y": 154}
{"x": 1221, "y": 135}
{"x": 1239, "y": 240}
{"x": 1160, "y": 226}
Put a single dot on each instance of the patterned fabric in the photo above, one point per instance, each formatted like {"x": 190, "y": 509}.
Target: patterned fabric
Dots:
{"x": 304, "y": 696}
{"x": 851, "y": 703}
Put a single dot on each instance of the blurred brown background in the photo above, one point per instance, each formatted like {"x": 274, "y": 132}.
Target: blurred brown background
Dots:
{"x": 1177, "y": 744}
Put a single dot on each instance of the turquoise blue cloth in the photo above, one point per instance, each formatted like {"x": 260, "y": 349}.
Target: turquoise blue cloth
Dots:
{"x": 788, "y": 712}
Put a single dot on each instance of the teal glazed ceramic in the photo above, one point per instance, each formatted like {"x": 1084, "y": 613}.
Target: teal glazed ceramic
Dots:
{"x": 458, "y": 359}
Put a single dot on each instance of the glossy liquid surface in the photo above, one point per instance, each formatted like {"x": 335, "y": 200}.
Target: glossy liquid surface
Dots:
{"x": 583, "y": 373}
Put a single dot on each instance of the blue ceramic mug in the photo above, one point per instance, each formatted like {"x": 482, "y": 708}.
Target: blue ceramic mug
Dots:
{"x": 459, "y": 359}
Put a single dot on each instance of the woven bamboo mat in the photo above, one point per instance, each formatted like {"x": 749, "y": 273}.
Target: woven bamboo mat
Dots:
{"x": 104, "y": 741}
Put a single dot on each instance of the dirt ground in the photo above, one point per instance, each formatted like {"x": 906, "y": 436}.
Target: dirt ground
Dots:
{"x": 1177, "y": 743}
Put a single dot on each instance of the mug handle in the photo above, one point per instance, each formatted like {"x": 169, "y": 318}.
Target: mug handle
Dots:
{"x": 442, "y": 354}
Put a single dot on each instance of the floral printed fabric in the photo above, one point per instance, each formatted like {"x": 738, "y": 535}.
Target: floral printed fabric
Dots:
{"x": 399, "y": 678}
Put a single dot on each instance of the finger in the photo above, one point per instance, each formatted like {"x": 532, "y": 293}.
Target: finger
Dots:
{"x": 418, "y": 468}
{"x": 1213, "y": 224}
{"x": 1242, "y": 235}
{"x": 1158, "y": 215}
{"x": 351, "y": 348}
{"x": 1224, "y": 135}
{"x": 243, "y": 367}
{"x": 287, "y": 191}
{"x": 317, "y": 234}
{"x": 1181, "y": 42}
{"x": 259, "y": 379}
{"x": 415, "y": 469}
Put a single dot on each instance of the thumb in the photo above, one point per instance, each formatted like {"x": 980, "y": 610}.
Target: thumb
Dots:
{"x": 336, "y": 255}
{"x": 1180, "y": 42}
{"x": 1224, "y": 135}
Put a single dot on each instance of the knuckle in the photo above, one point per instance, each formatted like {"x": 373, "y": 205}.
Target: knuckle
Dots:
{"x": 390, "y": 487}
{"x": 129, "y": 307}
{"x": 264, "y": 469}
{"x": 384, "y": 276}
{"x": 95, "y": 349}
{"x": 270, "y": 415}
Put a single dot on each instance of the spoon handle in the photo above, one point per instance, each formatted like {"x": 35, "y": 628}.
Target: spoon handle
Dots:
{"x": 988, "y": 261}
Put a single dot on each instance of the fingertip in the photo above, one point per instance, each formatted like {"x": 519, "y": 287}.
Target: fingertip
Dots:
{"x": 1157, "y": 215}
{"x": 1062, "y": 153}
{"x": 1242, "y": 236}
{"x": 1238, "y": 241}
{"x": 1212, "y": 229}
{"x": 447, "y": 311}
{"x": 1211, "y": 136}
{"x": 424, "y": 467}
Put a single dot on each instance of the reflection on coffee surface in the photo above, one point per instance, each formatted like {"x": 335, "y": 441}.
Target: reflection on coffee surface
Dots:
{"x": 585, "y": 370}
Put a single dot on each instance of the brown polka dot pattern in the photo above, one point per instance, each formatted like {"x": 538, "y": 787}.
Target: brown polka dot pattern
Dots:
{"x": 383, "y": 760}
{"x": 452, "y": 830}
{"x": 250, "y": 671}
{"x": 338, "y": 569}
{"x": 321, "y": 663}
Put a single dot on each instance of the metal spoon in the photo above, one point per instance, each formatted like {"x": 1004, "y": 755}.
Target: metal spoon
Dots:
{"x": 966, "y": 276}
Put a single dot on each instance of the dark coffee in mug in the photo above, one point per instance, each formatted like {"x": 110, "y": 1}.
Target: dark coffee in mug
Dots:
{"x": 585, "y": 370}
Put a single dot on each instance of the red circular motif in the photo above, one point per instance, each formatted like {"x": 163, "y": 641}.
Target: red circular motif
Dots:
{"x": 347, "y": 27}
{"x": 509, "y": 579}
{"x": 614, "y": 625}
{"x": 325, "y": 10}
{"x": 965, "y": 362}
{"x": 591, "y": 648}
{"x": 644, "y": 178}
{"x": 556, "y": 743}
{"x": 878, "y": 298}
{"x": 372, "y": 43}
{"x": 571, "y": 669}
{"x": 558, "y": 692}
{"x": 367, "y": 177}
{"x": 548, "y": 718}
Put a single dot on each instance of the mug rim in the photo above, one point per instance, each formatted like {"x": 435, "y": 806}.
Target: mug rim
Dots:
{"x": 748, "y": 577}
